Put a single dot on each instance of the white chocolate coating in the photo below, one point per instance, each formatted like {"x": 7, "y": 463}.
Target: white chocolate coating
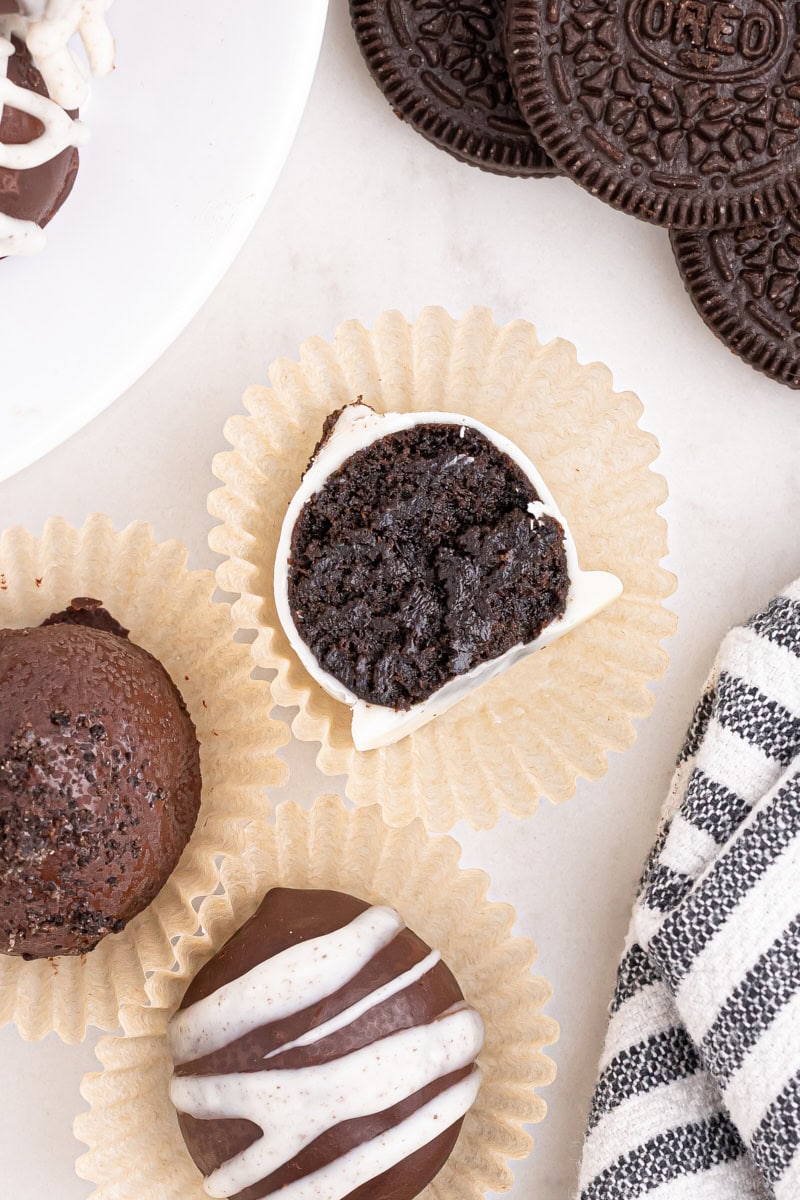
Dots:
{"x": 375, "y": 725}
{"x": 295, "y": 1106}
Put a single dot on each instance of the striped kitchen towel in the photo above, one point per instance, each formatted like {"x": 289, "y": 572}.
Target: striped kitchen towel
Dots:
{"x": 698, "y": 1096}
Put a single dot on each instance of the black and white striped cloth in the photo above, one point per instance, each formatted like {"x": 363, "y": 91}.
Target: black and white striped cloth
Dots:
{"x": 698, "y": 1096}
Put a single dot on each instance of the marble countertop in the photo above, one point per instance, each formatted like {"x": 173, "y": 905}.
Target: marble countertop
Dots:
{"x": 368, "y": 216}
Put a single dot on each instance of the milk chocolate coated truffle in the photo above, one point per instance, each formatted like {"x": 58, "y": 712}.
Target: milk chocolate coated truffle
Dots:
{"x": 35, "y": 193}
{"x": 325, "y": 1051}
{"x": 99, "y": 781}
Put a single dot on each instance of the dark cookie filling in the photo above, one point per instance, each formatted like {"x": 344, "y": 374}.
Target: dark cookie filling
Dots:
{"x": 419, "y": 560}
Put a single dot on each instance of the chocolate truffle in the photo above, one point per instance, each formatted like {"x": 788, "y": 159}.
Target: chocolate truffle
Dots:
{"x": 421, "y": 555}
{"x": 99, "y": 781}
{"x": 31, "y": 195}
{"x": 325, "y": 1051}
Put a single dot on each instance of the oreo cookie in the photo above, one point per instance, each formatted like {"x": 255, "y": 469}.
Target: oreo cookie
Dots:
{"x": 442, "y": 67}
{"x": 745, "y": 283}
{"x": 685, "y": 113}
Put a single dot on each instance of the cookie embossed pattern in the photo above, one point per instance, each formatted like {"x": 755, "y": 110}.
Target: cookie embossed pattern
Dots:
{"x": 442, "y": 67}
{"x": 684, "y": 113}
{"x": 745, "y": 283}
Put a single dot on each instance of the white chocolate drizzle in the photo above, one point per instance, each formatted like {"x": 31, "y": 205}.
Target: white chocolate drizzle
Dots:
{"x": 281, "y": 986}
{"x": 46, "y": 28}
{"x": 16, "y": 236}
{"x": 357, "y": 1010}
{"x": 19, "y": 237}
{"x": 374, "y": 725}
{"x": 371, "y": 1159}
{"x": 59, "y": 132}
{"x": 295, "y": 1106}
{"x": 47, "y": 32}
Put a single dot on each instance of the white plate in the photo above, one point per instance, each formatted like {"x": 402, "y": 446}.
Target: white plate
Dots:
{"x": 188, "y": 138}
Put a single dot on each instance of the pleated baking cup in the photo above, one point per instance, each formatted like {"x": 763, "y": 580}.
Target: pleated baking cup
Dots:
{"x": 169, "y": 611}
{"x": 534, "y": 730}
{"x": 135, "y": 1147}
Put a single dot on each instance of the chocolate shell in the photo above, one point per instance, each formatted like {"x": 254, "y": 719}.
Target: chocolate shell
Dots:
{"x": 99, "y": 782}
{"x": 325, "y": 1050}
{"x": 37, "y": 193}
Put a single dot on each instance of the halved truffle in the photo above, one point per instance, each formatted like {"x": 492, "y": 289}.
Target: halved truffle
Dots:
{"x": 99, "y": 781}
{"x": 324, "y": 1051}
{"x": 422, "y": 555}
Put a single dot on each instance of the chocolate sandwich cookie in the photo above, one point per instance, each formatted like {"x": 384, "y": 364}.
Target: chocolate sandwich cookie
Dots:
{"x": 442, "y": 67}
{"x": 684, "y": 113}
{"x": 745, "y": 283}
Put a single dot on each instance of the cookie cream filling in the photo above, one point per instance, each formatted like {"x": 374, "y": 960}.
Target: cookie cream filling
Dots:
{"x": 373, "y": 725}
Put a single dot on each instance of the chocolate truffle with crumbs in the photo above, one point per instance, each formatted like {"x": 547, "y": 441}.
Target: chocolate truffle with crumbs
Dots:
{"x": 99, "y": 781}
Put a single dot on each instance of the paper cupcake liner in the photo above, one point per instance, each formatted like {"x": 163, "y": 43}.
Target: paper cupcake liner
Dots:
{"x": 136, "y": 1150}
{"x": 169, "y": 612}
{"x": 552, "y": 718}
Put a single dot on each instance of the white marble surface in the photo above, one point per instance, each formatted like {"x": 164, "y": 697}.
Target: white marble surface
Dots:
{"x": 368, "y": 216}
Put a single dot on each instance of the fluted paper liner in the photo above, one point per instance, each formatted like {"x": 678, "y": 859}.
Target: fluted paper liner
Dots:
{"x": 136, "y": 1150}
{"x": 553, "y": 717}
{"x": 169, "y": 612}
